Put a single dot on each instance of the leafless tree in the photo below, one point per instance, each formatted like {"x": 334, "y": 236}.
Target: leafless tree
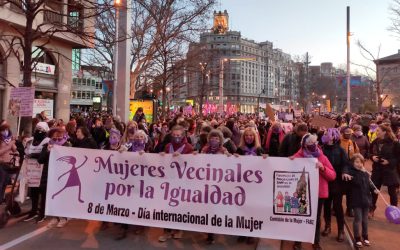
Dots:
{"x": 20, "y": 41}
{"x": 381, "y": 79}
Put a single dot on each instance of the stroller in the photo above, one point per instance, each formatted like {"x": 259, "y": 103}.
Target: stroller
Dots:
{"x": 10, "y": 207}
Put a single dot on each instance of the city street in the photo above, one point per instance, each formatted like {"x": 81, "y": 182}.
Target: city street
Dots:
{"x": 81, "y": 234}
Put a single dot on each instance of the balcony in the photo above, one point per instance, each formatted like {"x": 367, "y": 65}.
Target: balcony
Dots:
{"x": 52, "y": 17}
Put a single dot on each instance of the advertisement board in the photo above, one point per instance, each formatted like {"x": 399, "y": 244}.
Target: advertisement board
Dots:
{"x": 148, "y": 109}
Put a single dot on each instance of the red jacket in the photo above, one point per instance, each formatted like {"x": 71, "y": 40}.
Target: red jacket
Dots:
{"x": 324, "y": 177}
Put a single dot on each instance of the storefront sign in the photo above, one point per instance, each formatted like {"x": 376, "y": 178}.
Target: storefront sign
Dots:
{"x": 44, "y": 68}
{"x": 247, "y": 195}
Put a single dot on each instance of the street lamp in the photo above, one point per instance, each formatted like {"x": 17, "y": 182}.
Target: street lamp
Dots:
{"x": 117, "y": 5}
{"x": 323, "y": 96}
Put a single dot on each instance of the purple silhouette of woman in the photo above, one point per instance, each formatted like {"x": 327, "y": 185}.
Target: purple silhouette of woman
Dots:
{"x": 73, "y": 178}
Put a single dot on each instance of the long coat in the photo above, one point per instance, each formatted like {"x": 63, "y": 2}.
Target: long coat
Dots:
{"x": 388, "y": 150}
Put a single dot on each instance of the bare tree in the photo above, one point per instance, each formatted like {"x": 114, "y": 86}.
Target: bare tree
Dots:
{"x": 381, "y": 79}
{"x": 55, "y": 23}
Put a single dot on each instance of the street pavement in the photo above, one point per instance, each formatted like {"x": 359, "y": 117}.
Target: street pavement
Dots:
{"x": 82, "y": 234}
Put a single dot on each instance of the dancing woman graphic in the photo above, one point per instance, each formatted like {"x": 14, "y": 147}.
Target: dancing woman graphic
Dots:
{"x": 73, "y": 178}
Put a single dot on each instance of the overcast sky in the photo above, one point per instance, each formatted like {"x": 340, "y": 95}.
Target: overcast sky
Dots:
{"x": 315, "y": 26}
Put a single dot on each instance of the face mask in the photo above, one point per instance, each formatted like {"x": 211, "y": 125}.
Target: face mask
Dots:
{"x": 373, "y": 127}
{"x": 138, "y": 143}
{"x": 214, "y": 143}
{"x": 39, "y": 135}
{"x": 358, "y": 133}
{"x": 113, "y": 140}
{"x": 131, "y": 130}
{"x": 312, "y": 148}
{"x": 276, "y": 130}
{"x": 5, "y": 133}
{"x": 177, "y": 140}
{"x": 326, "y": 139}
{"x": 58, "y": 141}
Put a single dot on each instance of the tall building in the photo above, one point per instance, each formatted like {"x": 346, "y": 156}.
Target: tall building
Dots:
{"x": 252, "y": 72}
{"x": 388, "y": 75}
{"x": 52, "y": 73}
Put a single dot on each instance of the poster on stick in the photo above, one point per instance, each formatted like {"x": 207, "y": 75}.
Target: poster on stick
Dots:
{"x": 270, "y": 112}
{"x": 204, "y": 193}
{"x": 320, "y": 121}
{"x": 21, "y": 101}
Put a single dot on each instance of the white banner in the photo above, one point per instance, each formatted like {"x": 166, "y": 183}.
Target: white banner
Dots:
{"x": 270, "y": 198}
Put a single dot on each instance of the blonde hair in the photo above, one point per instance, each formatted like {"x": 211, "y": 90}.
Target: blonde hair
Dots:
{"x": 125, "y": 136}
{"x": 251, "y": 130}
{"x": 357, "y": 156}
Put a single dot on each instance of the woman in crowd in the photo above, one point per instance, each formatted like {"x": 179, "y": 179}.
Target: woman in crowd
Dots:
{"x": 372, "y": 131}
{"x": 310, "y": 149}
{"x": 178, "y": 145}
{"x": 337, "y": 157}
{"x": 214, "y": 145}
{"x": 361, "y": 140}
{"x": 33, "y": 150}
{"x": 7, "y": 147}
{"x": 228, "y": 143}
{"x": 57, "y": 136}
{"x": 249, "y": 145}
{"x": 385, "y": 151}
{"x": 274, "y": 139}
{"x": 84, "y": 139}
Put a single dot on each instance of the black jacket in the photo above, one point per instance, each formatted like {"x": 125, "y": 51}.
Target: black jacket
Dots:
{"x": 290, "y": 145}
{"x": 338, "y": 158}
{"x": 361, "y": 188}
{"x": 388, "y": 150}
{"x": 259, "y": 151}
{"x": 86, "y": 142}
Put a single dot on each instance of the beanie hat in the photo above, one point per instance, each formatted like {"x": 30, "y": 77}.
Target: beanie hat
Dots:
{"x": 43, "y": 126}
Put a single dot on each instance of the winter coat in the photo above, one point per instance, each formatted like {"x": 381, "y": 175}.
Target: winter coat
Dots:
{"x": 350, "y": 147}
{"x": 325, "y": 176}
{"x": 86, "y": 142}
{"x": 290, "y": 145}
{"x": 360, "y": 188}
{"x": 44, "y": 159}
{"x": 338, "y": 158}
{"x": 388, "y": 150}
{"x": 363, "y": 144}
{"x": 273, "y": 142}
{"x": 230, "y": 145}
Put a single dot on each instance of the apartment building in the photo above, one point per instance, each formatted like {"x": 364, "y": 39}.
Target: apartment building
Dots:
{"x": 52, "y": 71}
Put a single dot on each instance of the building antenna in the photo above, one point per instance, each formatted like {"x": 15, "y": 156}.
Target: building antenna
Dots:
{"x": 220, "y": 4}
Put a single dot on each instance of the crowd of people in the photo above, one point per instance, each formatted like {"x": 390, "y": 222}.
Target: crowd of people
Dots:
{"x": 341, "y": 152}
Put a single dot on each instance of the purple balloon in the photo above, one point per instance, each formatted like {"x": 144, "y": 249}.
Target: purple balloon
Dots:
{"x": 392, "y": 214}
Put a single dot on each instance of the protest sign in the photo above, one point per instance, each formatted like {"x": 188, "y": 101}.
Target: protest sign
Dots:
{"x": 33, "y": 172}
{"x": 205, "y": 193}
{"x": 270, "y": 112}
{"x": 21, "y": 101}
{"x": 287, "y": 127}
{"x": 320, "y": 121}
{"x": 289, "y": 117}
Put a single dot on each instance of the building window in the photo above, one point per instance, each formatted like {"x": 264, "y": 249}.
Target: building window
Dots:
{"x": 76, "y": 59}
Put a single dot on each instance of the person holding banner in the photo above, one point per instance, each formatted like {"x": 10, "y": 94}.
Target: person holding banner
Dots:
{"x": 57, "y": 137}
{"x": 249, "y": 145}
{"x": 32, "y": 152}
{"x": 310, "y": 149}
{"x": 178, "y": 145}
{"x": 214, "y": 145}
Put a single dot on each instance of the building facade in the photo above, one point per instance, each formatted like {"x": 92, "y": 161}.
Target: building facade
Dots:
{"x": 388, "y": 76}
{"x": 253, "y": 73}
{"x": 52, "y": 70}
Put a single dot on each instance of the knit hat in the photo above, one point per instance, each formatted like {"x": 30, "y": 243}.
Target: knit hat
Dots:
{"x": 43, "y": 126}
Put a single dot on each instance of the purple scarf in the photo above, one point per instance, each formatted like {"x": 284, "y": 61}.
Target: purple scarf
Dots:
{"x": 250, "y": 151}
{"x": 309, "y": 154}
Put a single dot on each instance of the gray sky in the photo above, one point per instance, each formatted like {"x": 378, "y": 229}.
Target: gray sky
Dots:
{"x": 316, "y": 26}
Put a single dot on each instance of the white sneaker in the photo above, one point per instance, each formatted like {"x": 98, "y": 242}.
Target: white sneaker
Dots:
{"x": 62, "y": 222}
{"x": 52, "y": 223}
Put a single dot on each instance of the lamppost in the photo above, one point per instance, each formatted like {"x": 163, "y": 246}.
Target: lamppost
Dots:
{"x": 117, "y": 5}
{"x": 203, "y": 68}
{"x": 319, "y": 108}
{"x": 258, "y": 100}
